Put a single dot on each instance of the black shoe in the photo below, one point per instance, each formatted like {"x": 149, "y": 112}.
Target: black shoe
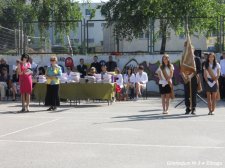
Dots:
{"x": 22, "y": 110}
{"x": 54, "y": 108}
{"x": 210, "y": 113}
{"x": 193, "y": 111}
{"x": 50, "y": 109}
{"x": 187, "y": 111}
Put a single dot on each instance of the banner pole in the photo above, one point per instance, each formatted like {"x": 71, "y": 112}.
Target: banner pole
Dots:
{"x": 190, "y": 96}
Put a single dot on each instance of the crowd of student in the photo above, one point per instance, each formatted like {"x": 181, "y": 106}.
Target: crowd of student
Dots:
{"x": 131, "y": 84}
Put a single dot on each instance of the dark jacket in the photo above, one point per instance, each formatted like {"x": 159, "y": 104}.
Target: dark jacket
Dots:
{"x": 82, "y": 70}
{"x": 198, "y": 65}
{"x": 111, "y": 66}
{"x": 97, "y": 66}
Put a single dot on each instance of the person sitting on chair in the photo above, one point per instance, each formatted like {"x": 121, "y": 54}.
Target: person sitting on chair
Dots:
{"x": 96, "y": 64}
{"x": 111, "y": 65}
{"x": 15, "y": 84}
{"x": 141, "y": 80}
{"x": 103, "y": 72}
{"x": 129, "y": 82}
{"x": 118, "y": 79}
{"x": 5, "y": 82}
{"x": 82, "y": 68}
{"x": 92, "y": 71}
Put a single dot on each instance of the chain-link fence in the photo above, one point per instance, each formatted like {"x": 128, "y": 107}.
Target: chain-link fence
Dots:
{"x": 10, "y": 39}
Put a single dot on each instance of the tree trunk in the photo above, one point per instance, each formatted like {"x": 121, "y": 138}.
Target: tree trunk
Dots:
{"x": 163, "y": 27}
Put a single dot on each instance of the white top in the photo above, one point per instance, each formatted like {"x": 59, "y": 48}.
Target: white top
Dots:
{"x": 214, "y": 70}
{"x": 222, "y": 65}
{"x": 68, "y": 76}
{"x": 128, "y": 79}
{"x": 163, "y": 81}
{"x": 119, "y": 81}
{"x": 141, "y": 77}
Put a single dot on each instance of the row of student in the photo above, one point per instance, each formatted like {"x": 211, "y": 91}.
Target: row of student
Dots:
{"x": 165, "y": 73}
{"x": 83, "y": 69}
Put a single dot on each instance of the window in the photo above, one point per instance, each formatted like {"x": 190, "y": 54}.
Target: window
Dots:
{"x": 103, "y": 24}
{"x": 146, "y": 35}
{"x": 76, "y": 40}
{"x": 91, "y": 40}
{"x": 91, "y": 24}
{"x": 141, "y": 35}
{"x": 87, "y": 12}
{"x": 181, "y": 36}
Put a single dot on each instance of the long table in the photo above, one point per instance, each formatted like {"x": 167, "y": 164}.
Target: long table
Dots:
{"x": 78, "y": 91}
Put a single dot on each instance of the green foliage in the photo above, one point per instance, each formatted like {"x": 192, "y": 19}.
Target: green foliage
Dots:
{"x": 42, "y": 11}
{"x": 130, "y": 17}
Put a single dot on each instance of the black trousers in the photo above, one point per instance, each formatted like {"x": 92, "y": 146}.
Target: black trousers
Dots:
{"x": 52, "y": 95}
{"x": 222, "y": 87}
{"x": 193, "y": 93}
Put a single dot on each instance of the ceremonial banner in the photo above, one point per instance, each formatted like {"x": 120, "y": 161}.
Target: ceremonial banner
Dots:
{"x": 187, "y": 65}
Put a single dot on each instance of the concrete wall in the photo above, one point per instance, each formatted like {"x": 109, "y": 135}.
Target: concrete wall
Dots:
{"x": 150, "y": 62}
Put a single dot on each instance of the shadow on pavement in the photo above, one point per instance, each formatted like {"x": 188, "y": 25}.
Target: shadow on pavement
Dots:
{"x": 155, "y": 117}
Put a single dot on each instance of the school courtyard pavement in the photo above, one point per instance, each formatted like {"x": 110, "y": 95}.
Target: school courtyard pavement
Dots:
{"x": 132, "y": 134}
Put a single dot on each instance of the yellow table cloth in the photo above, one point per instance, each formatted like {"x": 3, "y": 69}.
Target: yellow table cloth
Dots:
{"x": 78, "y": 91}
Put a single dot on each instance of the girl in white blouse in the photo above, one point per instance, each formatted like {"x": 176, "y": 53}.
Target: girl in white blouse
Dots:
{"x": 211, "y": 75}
{"x": 165, "y": 74}
{"x": 129, "y": 82}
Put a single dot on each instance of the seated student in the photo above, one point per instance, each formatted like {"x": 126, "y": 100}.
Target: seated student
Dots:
{"x": 118, "y": 79}
{"x": 15, "y": 84}
{"x": 92, "y": 71}
{"x": 129, "y": 82}
{"x": 68, "y": 73}
{"x": 104, "y": 71}
{"x": 141, "y": 80}
{"x": 4, "y": 82}
{"x": 96, "y": 64}
{"x": 111, "y": 65}
{"x": 82, "y": 68}
{"x": 41, "y": 71}
{"x": 3, "y": 64}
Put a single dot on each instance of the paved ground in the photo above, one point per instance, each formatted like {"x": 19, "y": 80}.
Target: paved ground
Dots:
{"x": 123, "y": 135}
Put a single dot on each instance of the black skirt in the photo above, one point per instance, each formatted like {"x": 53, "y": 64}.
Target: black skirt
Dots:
{"x": 164, "y": 90}
{"x": 211, "y": 89}
{"x": 52, "y": 95}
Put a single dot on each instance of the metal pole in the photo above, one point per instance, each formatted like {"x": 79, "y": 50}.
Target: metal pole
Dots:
{"x": 151, "y": 36}
{"x": 24, "y": 41}
{"x": 223, "y": 41}
{"x": 220, "y": 38}
{"x": 19, "y": 39}
{"x": 81, "y": 37}
{"x": 16, "y": 42}
{"x": 87, "y": 36}
{"x": 84, "y": 43}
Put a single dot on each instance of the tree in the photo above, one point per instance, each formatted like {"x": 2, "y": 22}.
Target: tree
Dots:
{"x": 130, "y": 17}
{"x": 43, "y": 11}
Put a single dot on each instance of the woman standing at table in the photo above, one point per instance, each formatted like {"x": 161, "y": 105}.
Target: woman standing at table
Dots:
{"x": 25, "y": 81}
{"x": 53, "y": 73}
